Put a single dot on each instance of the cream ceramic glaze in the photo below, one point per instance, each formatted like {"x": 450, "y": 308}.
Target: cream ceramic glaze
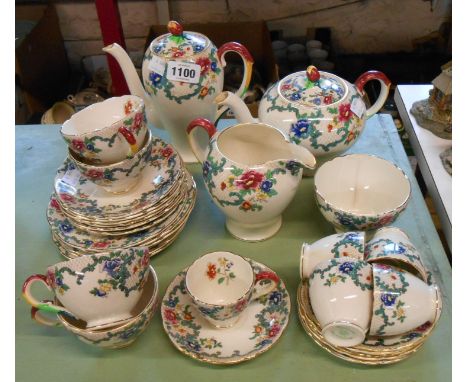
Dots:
{"x": 172, "y": 103}
{"x": 317, "y": 110}
{"x": 252, "y": 173}
{"x": 402, "y": 302}
{"x": 350, "y": 245}
{"x": 222, "y": 284}
{"x": 101, "y": 289}
{"x": 340, "y": 292}
{"x": 118, "y": 177}
{"x": 361, "y": 192}
{"x": 108, "y": 131}
{"x": 392, "y": 246}
{"x": 114, "y": 337}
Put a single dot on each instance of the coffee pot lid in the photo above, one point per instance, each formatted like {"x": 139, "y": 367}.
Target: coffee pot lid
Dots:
{"x": 312, "y": 88}
{"x": 179, "y": 43}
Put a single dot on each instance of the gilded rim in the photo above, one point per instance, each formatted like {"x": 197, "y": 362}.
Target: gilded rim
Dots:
{"x": 231, "y": 361}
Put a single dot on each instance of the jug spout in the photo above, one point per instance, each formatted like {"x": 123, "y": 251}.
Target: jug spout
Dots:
{"x": 133, "y": 81}
{"x": 235, "y": 103}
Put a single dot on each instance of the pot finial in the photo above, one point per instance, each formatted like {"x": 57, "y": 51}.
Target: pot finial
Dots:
{"x": 312, "y": 73}
{"x": 175, "y": 28}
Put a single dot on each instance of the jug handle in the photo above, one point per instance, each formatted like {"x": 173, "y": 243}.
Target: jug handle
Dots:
{"x": 196, "y": 147}
{"x": 384, "y": 89}
{"x": 248, "y": 63}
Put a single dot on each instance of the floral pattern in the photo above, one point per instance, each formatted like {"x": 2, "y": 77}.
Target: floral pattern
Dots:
{"x": 268, "y": 317}
{"x": 350, "y": 222}
{"x": 221, "y": 272}
{"x": 163, "y": 164}
{"x": 179, "y": 92}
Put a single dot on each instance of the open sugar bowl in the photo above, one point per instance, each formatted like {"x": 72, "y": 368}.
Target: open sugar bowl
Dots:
{"x": 360, "y": 192}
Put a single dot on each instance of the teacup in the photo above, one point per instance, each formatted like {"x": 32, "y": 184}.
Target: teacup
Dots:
{"x": 116, "y": 177}
{"x": 114, "y": 337}
{"x": 402, "y": 302}
{"x": 392, "y": 246}
{"x": 101, "y": 289}
{"x": 350, "y": 244}
{"x": 360, "y": 192}
{"x": 222, "y": 284}
{"x": 340, "y": 292}
{"x": 108, "y": 131}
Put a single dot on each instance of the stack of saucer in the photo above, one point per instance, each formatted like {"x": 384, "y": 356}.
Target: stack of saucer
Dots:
{"x": 113, "y": 194}
{"x": 84, "y": 218}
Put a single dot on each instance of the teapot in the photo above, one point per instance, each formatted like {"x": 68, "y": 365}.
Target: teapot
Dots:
{"x": 317, "y": 110}
{"x": 182, "y": 74}
{"x": 252, "y": 173}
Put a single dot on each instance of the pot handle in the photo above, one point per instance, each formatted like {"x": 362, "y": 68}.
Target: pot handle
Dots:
{"x": 263, "y": 290}
{"x": 194, "y": 144}
{"x": 384, "y": 89}
{"x": 248, "y": 63}
{"x": 40, "y": 318}
{"x": 130, "y": 138}
{"x": 46, "y": 305}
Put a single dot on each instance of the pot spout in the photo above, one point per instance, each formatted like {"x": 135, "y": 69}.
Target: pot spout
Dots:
{"x": 235, "y": 103}
{"x": 133, "y": 81}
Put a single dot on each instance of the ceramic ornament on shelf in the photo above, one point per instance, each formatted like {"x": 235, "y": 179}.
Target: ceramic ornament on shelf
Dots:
{"x": 182, "y": 74}
{"x": 435, "y": 112}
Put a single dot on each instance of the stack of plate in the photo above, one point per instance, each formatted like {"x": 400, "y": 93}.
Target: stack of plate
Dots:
{"x": 374, "y": 350}
{"x": 84, "y": 218}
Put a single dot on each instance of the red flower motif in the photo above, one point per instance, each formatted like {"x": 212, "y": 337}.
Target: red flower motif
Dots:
{"x": 128, "y": 107}
{"x": 241, "y": 305}
{"x": 211, "y": 272}
{"x": 423, "y": 327}
{"x": 178, "y": 53}
{"x": 137, "y": 121}
{"x": 286, "y": 87}
{"x": 55, "y": 204}
{"x": 275, "y": 329}
{"x": 330, "y": 128}
{"x": 351, "y": 136}
{"x": 246, "y": 206}
{"x": 100, "y": 244}
{"x": 345, "y": 112}
{"x": 95, "y": 174}
{"x": 205, "y": 64}
{"x": 387, "y": 219}
{"x": 249, "y": 179}
{"x": 51, "y": 278}
{"x": 145, "y": 260}
{"x": 78, "y": 144}
{"x": 167, "y": 152}
{"x": 67, "y": 198}
{"x": 345, "y": 253}
{"x": 223, "y": 186}
{"x": 170, "y": 316}
{"x": 327, "y": 99}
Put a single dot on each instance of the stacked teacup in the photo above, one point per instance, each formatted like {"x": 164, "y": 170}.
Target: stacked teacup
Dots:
{"x": 359, "y": 290}
{"x": 106, "y": 299}
{"x": 119, "y": 187}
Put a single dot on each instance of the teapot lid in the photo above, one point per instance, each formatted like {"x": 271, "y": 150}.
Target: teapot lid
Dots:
{"x": 312, "y": 88}
{"x": 179, "y": 44}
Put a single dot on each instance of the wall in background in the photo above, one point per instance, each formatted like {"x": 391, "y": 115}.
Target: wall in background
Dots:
{"x": 358, "y": 26}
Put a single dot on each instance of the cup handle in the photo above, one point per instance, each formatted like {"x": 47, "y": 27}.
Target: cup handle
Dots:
{"x": 384, "y": 89}
{"x": 40, "y": 318}
{"x": 46, "y": 305}
{"x": 248, "y": 61}
{"x": 261, "y": 290}
{"x": 130, "y": 138}
{"x": 196, "y": 147}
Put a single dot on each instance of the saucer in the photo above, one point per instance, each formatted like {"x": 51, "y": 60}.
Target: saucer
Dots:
{"x": 375, "y": 350}
{"x": 259, "y": 327}
{"x": 83, "y": 197}
{"x": 65, "y": 231}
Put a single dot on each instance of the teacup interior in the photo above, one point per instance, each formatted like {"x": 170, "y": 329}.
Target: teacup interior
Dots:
{"x": 253, "y": 144}
{"x": 219, "y": 278}
{"x": 100, "y": 115}
{"x": 362, "y": 184}
{"x": 148, "y": 290}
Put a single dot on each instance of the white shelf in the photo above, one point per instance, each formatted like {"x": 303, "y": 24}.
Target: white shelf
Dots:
{"x": 427, "y": 148}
